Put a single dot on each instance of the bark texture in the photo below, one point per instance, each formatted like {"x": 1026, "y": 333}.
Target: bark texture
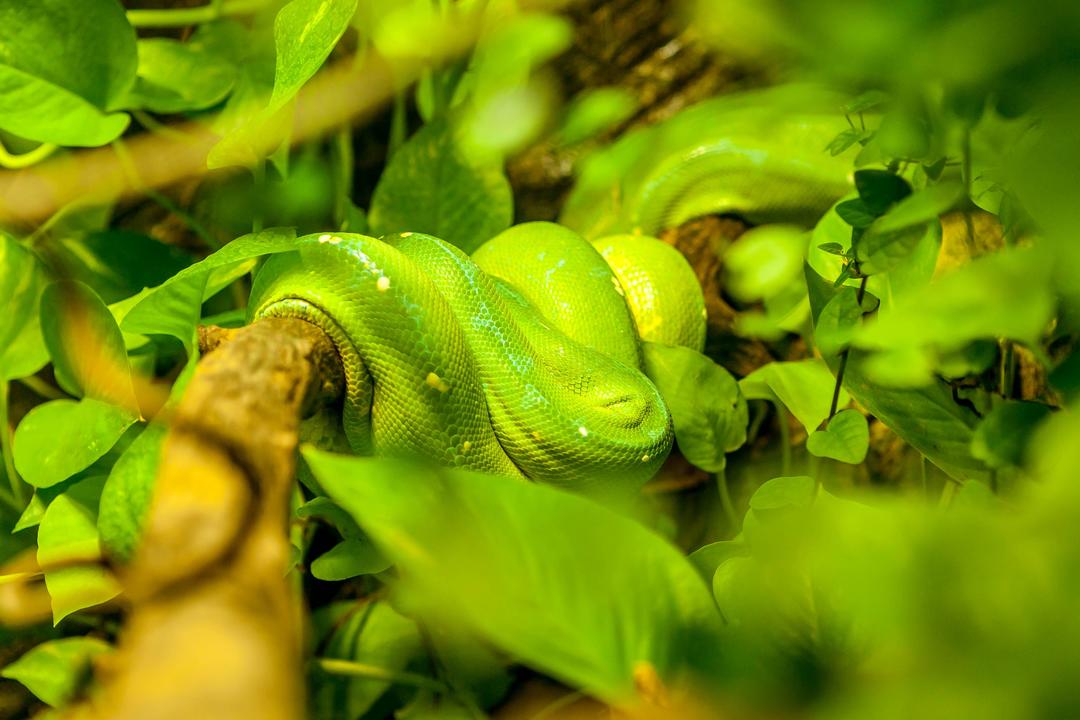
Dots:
{"x": 214, "y": 629}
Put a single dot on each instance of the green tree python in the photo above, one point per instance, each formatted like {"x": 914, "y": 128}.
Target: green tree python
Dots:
{"x": 525, "y": 358}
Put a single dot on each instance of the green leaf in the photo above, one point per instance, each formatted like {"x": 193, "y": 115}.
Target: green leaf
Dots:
{"x": 305, "y": 31}
{"x": 86, "y": 345}
{"x": 843, "y": 141}
{"x": 839, "y": 320}
{"x": 1006, "y": 294}
{"x": 22, "y": 279}
{"x": 855, "y": 213}
{"x": 866, "y": 101}
{"x": 805, "y": 388}
{"x": 69, "y": 551}
{"x": 709, "y": 557}
{"x": 36, "y": 110}
{"x": 45, "y": 457}
{"x": 128, "y": 490}
{"x": 375, "y": 635}
{"x": 176, "y": 77}
{"x": 348, "y": 559}
{"x": 764, "y": 261}
{"x": 879, "y": 189}
{"x": 483, "y": 550}
{"x": 63, "y": 65}
{"x": 1002, "y": 438}
{"x": 783, "y": 493}
{"x": 709, "y": 412}
{"x": 880, "y": 251}
{"x": 847, "y": 438}
{"x": 56, "y": 670}
{"x": 173, "y": 308}
{"x": 118, "y": 263}
{"x": 430, "y": 187}
{"x": 594, "y": 111}
{"x": 927, "y": 205}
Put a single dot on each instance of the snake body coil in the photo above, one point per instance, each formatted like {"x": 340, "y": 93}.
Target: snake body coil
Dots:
{"x": 523, "y": 360}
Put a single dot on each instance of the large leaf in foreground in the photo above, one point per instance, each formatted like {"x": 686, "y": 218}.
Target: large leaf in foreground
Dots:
{"x": 555, "y": 580}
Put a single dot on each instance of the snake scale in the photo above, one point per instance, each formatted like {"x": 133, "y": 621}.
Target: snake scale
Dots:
{"x": 525, "y": 359}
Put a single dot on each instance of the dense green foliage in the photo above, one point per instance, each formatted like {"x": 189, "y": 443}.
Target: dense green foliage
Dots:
{"x": 887, "y": 524}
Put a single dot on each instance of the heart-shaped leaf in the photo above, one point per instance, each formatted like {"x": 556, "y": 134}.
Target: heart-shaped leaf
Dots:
{"x": 846, "y": 438}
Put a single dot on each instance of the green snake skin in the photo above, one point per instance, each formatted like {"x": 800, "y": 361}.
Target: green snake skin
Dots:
{"x": 759, "y": 155}
{"x": 522, "y": 360}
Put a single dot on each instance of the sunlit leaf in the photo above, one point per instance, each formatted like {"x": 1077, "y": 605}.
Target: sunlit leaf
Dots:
{"x": 348, "y": 559}
{"x": 305, "y": 31}
{"x": 175, "y": 77}
{"x": 44, "y": 457}
{"x": 471, "y": 544}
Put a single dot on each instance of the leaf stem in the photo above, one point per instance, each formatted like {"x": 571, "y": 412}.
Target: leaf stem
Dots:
{"x": 783, "y": 418}
{"x": 15, "y": 161}
{"x": 725, "y": 497}
{"x": 844, "y": 354}
{"x": 17, "y": 493}
{"x": 348, "y": 668}
{"x": 181, "y": 17}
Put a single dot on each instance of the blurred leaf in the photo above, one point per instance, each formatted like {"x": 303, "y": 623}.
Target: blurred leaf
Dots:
{"x": 764, "y": 261}
{"x": 22, "y": 279}
{"x": 1006, "y": 294}
{"x": 348, "y": 559}
{"x": 804, "y": 387}
{"x": 846, "y": 438}
{"x": 176, "y": 77}
{"x": 926, "y": 205}
{"x": 926, "y": 418}
{"x": 128, "y": 490}
{"x": 1002, "y": 438}
{"x": 86, "y": 346}
{"x": 709, "y": 412}
{"x": 880, "y": 251}
{"x": 305, "y": 31}
{"x": 373, "y": 634}
{"x": 63, "y": 65}
{"x": 709, "y": 557}
{"x": 839, "y": 319}
{"x": 429, "y": 187}
{"x": 55, "y": 670}
{"x": 484, "y": 550}
{"x": 594, "y": 111}
{"x": 119, "y": 263}
{"x": 844, "y": 140}
{"x": 904, "y": 132}
{"x": 783, "y": 493}
{"x": 880, "y": 189}
{"x": 69, "y": 551}
{"x": 173, "y": 308}
{"x": 45, "y": 457}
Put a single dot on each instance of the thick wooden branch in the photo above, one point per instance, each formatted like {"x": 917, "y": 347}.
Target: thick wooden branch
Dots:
{"x": 214, "y": 629}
